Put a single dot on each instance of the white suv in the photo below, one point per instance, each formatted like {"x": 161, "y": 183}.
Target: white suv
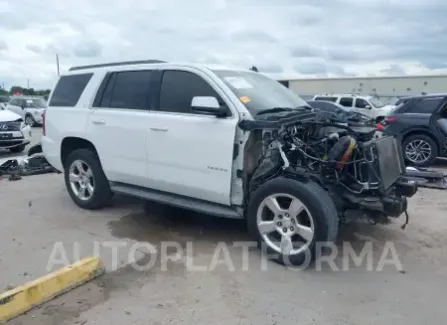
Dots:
{"x": 367, "y": 105}
{"x": 197, "y": 137}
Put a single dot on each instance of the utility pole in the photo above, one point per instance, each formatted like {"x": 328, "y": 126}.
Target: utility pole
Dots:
{"x": 28, "y": 83}
{"x": 57, "y": 64}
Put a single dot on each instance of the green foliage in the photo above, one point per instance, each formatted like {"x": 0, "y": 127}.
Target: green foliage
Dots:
{"x": 25, "y": 91}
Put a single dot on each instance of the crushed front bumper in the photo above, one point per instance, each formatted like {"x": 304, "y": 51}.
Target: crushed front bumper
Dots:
{"x": 13, "y": 137}
{"x": 392, "y": 203}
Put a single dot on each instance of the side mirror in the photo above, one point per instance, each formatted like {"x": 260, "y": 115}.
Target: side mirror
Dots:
{"x": 208, "y": 105}
{"x": 368, "y": 107}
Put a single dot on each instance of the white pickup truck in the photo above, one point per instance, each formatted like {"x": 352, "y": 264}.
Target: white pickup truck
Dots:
{"x": 225, "y": 142}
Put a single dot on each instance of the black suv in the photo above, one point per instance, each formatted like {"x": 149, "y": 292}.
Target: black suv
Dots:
{"x": 421, "y": 124}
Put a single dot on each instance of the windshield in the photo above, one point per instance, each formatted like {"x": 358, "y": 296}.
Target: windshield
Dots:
{"x": 258, "y": 92}
{"x": 35, "y": 103}
{"x": 376, "y": 102}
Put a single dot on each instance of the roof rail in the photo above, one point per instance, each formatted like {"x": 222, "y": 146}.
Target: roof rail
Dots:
{"x": 114, "y": 64}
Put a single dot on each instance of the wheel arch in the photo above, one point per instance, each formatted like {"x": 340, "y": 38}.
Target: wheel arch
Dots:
{"x": 69, "y": 144}
{"x": 423, "y": 132}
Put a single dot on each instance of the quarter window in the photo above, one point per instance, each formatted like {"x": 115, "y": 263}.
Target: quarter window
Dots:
{"x": 69, "y": 89}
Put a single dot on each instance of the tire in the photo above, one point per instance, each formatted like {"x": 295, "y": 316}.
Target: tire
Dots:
{"x": 319, "y": 209}
{"x": 29, "y": 119}
{"x": 101, "y": 194}
{"x": 17, "y": 149}
{"x": 426, "y": 142}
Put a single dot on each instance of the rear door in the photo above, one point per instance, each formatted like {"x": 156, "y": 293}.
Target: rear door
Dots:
{"x": 347, "y": 102}
{"x": 188, "y": 153}
{"x": 118, "y": 125}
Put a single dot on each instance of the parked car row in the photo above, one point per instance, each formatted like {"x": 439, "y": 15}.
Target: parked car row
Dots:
{"x": 419, "y": 122}
{"x": 28, "y": 107}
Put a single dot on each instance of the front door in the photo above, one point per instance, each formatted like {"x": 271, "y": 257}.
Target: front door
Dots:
{"x": 118, "y": 126}
{"x": 16, "y": 106}
{"x": 362, "y": 106}
{"x": 188, "y": 153}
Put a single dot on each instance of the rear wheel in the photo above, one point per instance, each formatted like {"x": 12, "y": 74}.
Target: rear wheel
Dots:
{"x": 292, "y": 220}
{"x": 420, "y": 150}
{"x": 85, "y": 180}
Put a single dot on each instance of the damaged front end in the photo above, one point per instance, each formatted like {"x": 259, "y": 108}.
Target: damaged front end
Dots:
{"x": 364, "y": 174}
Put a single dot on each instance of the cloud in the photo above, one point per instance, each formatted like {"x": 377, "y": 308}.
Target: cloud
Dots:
{"x": 87, "y": 49}
{"x": 286, "y": 38}
{"x": 3, "y": 46}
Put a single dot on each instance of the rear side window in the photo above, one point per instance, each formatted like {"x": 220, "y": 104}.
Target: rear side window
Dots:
{"x": 329, "y": 99}
{"x": 346, "y": 102}
{"x": 130, "y": 90}
{"x": 178, "y": 89}
{"x": 69, "y": 89}
{"x": 424, "y": 106}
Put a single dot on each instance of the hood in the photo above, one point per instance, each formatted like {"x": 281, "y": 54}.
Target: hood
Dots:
{"x": 387, "y": 108}
{"x": 8, "y": 116}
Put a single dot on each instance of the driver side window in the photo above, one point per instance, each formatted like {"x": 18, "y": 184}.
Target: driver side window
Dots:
{"x": 361, "y": 103}
{"x": 178, "y": 88}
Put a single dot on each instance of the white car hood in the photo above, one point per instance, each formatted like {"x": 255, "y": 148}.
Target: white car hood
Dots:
{"x": 8, "y": 116}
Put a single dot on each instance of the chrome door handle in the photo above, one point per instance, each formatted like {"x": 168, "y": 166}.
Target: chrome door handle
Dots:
{"x": 159, "y": 130}
{"x": 100, "y": 122}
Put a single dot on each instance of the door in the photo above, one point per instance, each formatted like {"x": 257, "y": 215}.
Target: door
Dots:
{"x": 188, "y": 153}
{"x": 346, "y": 102}
{"x": 362, "y": 106}
{"x": 118, "y": 125}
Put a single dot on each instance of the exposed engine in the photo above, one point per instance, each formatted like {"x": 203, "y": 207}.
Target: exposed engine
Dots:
{"x": 356, "y": 168}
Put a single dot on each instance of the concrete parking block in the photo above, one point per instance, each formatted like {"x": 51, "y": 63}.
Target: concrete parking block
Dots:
{"x": 21, "y": 299}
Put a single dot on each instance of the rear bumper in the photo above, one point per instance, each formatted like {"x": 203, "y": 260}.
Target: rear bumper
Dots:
{"x": 51, "y": 151}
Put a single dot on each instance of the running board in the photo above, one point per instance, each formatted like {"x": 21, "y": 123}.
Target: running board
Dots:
{"x": 176, "y": 200}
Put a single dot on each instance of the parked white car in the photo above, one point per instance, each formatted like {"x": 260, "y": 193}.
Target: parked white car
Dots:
{"x": 15, "y": 134}
{"x": 367, "y": 105}
{"x": 29, "y": 108}
{"x": 224, "y": 142}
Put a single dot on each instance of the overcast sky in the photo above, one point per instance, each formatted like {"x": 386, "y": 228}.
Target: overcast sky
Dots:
{"x": 285, "y": 38}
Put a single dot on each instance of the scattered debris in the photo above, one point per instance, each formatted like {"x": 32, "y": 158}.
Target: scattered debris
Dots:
{"x": 427, "y": 178}
{"x": 34, "y": 164}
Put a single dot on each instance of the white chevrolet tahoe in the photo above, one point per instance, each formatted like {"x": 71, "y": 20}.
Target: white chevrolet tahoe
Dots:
{"x": 187, "y": 135}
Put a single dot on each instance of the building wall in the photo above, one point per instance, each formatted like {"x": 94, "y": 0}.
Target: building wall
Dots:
{"x": 383, "y": 87}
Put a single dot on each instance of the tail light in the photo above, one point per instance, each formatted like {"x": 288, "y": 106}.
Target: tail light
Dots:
{"x": 43, "y": 122}
{"x": 380, "y": 127}
{"x": 389, "y": 119}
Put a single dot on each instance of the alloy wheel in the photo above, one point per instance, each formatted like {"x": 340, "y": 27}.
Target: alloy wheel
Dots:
{"x": 81, "y": 180}
{"x": 418, "y": 151}
{"x": 285, "y": 224}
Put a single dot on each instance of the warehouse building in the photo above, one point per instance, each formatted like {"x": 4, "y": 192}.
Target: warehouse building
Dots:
{"x": 385, "y": 88}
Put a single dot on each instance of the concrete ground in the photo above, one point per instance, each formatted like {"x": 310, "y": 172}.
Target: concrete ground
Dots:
{"x": 41, "y": 230}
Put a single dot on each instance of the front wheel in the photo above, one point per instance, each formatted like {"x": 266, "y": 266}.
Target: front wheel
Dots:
{"x": 29, "y": 119}
{"x": 292, "y": 220}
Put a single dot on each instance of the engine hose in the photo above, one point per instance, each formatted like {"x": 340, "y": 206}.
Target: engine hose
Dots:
{"x": 347, "y": 154}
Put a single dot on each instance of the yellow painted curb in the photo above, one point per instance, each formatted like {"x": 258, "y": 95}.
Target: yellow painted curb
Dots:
{"x": 21, "y": 299}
